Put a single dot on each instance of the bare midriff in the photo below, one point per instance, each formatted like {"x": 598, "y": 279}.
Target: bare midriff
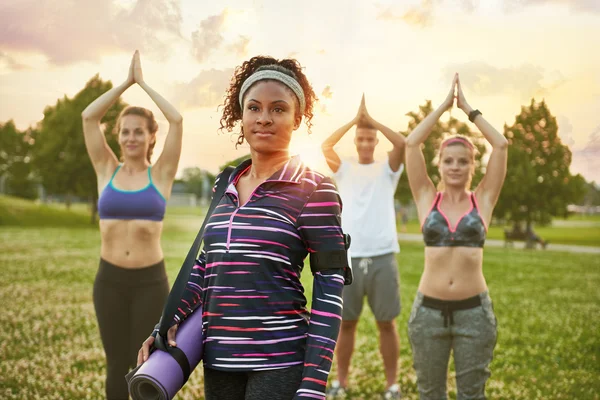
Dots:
{"x": 131, "y": 243}
{"x": 453, "y": 273}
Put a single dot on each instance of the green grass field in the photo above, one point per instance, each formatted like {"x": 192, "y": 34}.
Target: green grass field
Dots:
{"x": 578, "y": 217}
{"x": 547, "y": 305}
{"x": 18, "y": 212}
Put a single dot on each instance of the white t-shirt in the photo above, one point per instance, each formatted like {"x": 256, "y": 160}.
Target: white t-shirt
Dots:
{"x": 368, "y": 215}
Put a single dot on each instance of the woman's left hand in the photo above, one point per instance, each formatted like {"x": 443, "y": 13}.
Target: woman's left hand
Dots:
{"x": 137, "y": 68}
{"x": 461, "y": 102}
{"x": 449, "y": 101}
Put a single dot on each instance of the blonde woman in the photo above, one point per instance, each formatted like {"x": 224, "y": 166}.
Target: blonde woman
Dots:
{"x": 453, "y": 311}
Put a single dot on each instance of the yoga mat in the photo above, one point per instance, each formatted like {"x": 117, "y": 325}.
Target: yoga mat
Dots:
{"x": 160, "y": 377}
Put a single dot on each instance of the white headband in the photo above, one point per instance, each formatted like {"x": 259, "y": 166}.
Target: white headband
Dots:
{"x": 278, "y": 76}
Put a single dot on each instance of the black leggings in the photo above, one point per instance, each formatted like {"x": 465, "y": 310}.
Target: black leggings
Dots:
{"x": 276, "y": 384}
{"x": 128, "y": 304}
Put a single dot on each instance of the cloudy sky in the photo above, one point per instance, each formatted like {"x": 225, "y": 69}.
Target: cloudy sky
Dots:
{"x": 400, "y": 53}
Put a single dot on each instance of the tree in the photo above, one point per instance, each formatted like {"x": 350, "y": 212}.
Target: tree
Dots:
{"x": 538, "y": 183}
{"x": 16, "y": 172}
{"x": 61, "y": 159}
{"x": 198, "y": 181}
{"x": 234, "y": 163}
{"x": 592, "y": 195}
{"x": 431, "y": 148}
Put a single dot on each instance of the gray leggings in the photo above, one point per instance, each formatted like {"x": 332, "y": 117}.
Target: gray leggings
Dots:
{"x": 469, "y": 333}
{"x": 275, "y": 384}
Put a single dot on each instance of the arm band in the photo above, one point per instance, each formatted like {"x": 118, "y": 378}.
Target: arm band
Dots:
{"x": 337, "y": 259}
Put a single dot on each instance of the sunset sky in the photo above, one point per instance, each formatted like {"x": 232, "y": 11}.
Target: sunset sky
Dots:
{"x": 400, "y": 53}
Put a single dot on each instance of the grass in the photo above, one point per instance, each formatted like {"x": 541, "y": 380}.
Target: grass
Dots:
{"x": 547, "y": 304}
{"x": 581, "y": 217}
{"x": 583, "y": 236}
{"x": 19, "y": 212}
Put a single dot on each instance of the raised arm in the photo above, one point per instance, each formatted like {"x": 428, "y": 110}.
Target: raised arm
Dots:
{"x": 488, "y": 190}
{"x": 166, "y": 166}
{"x": 396, "y": 155}
{"x": 103, "y": 158}
{"x": 421, "y": 186}
{"x": 332, "y": 158}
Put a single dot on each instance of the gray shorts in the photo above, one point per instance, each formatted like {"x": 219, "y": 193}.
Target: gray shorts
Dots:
{"x": 378, "y": 279}
{"x": 469, "y": 334}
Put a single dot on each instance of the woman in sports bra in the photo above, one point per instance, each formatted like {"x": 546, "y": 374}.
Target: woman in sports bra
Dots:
{"x": 131, "y": 284}
{"x": 452, "y": 311}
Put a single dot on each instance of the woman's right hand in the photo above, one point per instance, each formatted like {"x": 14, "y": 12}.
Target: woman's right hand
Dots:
{"x": 449, "y": 101}
{"x": 131, "y": 77}
{"x": 144, "y": 351}
{"x": 138, "y": 77}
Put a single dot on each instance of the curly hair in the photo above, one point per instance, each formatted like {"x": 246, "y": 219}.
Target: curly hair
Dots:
{"x": 150, "y": 121}
{"x": 232, "y": 110}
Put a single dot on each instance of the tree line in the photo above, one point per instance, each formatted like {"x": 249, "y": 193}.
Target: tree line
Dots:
{"x": 538, "y": 184}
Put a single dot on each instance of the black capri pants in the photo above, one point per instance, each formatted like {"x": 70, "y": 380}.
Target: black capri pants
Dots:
{"x": 128, "y": 303}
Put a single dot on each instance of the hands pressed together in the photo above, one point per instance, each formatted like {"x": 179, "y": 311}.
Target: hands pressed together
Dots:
{"x": 135, "y": 70}
{"x": 362, "y": 116}
{"x": 456, "y": 93}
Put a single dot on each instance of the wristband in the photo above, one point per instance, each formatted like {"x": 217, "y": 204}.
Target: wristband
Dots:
{"x": 473, "y": 114}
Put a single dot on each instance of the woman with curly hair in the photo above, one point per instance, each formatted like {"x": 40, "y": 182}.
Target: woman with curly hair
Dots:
{"x": 452, "y": 312}
{"x": 131, "y": 284}
{"x": 261, "y": 341}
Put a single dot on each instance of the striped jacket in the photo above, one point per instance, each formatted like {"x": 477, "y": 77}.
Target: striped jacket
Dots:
{"x": 247, "y": 277}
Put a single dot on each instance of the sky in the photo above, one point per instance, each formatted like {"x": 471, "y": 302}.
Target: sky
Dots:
{"x": 399, "y": 53}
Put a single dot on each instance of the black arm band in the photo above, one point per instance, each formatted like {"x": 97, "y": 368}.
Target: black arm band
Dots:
{"x": 328, "y": 260}
{"x": 338, "y": 259}
{"x": 322, "y": 261}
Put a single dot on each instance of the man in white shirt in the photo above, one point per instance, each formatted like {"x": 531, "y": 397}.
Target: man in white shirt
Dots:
{"x": 367, "y": 190}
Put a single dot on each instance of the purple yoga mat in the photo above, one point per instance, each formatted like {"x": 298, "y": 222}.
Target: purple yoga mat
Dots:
{"x": 160, "y": 377}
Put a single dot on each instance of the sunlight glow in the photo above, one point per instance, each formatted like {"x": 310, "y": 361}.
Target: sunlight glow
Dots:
{"x": 309, "y": 151}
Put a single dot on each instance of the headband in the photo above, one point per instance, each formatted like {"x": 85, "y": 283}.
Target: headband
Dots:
{"x": 458, "y": 140}
{"x": 278, "y": 76}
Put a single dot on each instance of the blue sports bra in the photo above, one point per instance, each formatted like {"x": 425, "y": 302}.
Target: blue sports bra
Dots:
{"x": 147, "y": 203}
{"x": 470, "y": 230}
